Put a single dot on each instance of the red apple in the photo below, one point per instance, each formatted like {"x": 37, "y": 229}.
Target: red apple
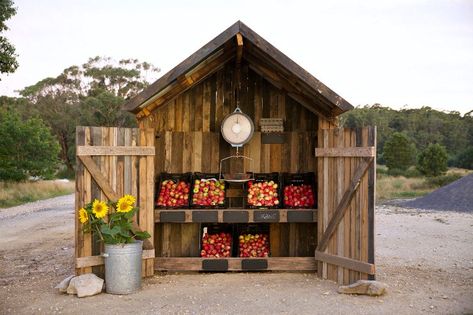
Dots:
{"x": 298, "y": 196}
{"x": 216, "y": 245}
{"x": 262, "y": 194}
{"x": 208, "y": 192}
{"x": 256, "y": 245}
{"x": 173, "y": 193}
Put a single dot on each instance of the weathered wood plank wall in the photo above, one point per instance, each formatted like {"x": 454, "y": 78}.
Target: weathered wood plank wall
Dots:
{"x": 354, "y": 235}
{"x": 188, "y": 140}
{"x": 126, "y": 174}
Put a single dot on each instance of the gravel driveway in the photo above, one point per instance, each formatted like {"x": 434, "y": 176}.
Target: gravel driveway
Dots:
{"x": 425, "y": 257}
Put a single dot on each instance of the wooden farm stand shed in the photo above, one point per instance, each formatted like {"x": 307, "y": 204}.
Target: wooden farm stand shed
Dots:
{"x": 179, "y": 118}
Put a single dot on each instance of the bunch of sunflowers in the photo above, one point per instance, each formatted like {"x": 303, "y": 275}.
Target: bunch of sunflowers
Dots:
{"x": 112, "y": 221}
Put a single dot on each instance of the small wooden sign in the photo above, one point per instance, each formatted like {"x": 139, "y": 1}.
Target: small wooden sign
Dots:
{"x": 266, "y": 216}
{"x": 235, "y": 216}
{"x": 300, "y": 216}
{"x": 215, "y": 264}
{"x": 254, "y": 264}
{"x": 204, "y": 216}
{"x": 172, "y": 216}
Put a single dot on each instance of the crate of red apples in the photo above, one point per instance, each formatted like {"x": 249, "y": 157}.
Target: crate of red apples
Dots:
{"x": 216, "y": 241}
{"x": 263, "y": 191}
{"x": 299, "y": 190}
{"x": 207, "y": 191}
{"x": 173, "y": 190}
{"x": 253, "y": 241}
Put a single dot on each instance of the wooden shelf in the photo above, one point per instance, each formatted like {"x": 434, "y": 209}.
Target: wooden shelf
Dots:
{"x": 235, "y": 264}
{"x": 235, "y": 215}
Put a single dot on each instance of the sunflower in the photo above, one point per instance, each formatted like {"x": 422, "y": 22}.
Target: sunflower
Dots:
{"x": 99, "y": 208}
{"x": 83, "y": 217}
{"x": 123, "y": 205}
{"x": 129, "y": 199}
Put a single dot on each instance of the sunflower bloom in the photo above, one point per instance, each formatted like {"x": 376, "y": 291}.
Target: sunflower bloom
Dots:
{"x": 129, "y": 199}
{"x": 123, "y": 205}
{"x": 99, "y": 208}
{"x": 83, "y": 217}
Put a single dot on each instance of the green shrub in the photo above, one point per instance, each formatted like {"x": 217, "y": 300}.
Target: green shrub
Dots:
{"x": 27, "y": 148}
{"x": 440, "y": 181}
{"x": 396, "y": 172}
{"x": 465, "y": 159}
{"x": 399, "y": 152}
{"x": 432, "y": 161}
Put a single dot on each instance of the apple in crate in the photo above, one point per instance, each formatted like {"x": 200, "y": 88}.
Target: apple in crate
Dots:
{"x": 298, "y": 196}
{"x": 256, "y": 245}
{"x": 173, "y": 194}
{"x": 216, "y": 245}
{"x": 208, "y": 192}
{"x": 263, "y": 194}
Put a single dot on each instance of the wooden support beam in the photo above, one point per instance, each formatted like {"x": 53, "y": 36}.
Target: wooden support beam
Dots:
{"x": 184, "y": 82}
{"x": 344, "y": 202}
{"x": 276, "y": 79}
{"x": 239, "y": 51}
{"x": 346, "y": 152}
{"x": 235, "y": 264}
{"x": 102, "y": 182}
{"x": 118, "y": 150}
{"x": 345, "y": 262}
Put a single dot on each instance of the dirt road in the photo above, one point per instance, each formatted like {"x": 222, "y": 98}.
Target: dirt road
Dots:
{"x": 426, "y": 258}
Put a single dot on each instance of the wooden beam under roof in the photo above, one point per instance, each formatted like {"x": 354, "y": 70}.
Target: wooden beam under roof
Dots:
{"x": 293, "y": 67}
{"x": 274, "y": 78}
{"x": 298, "y": 74}
{"x": 185, "y": 81}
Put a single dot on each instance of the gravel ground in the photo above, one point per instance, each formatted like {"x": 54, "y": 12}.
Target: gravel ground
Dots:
{"x": 425, "y": 258}
{"x": 457, "y": 196}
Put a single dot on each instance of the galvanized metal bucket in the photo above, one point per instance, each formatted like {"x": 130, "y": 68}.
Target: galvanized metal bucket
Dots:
{"x": 123, "y": 267}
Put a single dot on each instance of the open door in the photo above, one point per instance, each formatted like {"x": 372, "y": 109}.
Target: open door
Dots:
{"x": 346, "y": 197}
{"x": 112, "y": 162}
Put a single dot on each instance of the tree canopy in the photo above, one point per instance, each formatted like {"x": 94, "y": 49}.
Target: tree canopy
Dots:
{"x": 27, "y": 148}
{"x": 8, "y": 62}
{"x": 91, "y": 94}
{"x": 399, "y": 152}
{"x": 424, "y": 126}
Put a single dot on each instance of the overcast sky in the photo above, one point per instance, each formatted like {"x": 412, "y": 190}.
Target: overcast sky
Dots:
{"x": 398, "y": 53}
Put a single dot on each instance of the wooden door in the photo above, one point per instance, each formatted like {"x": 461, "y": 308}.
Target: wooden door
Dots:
{"x": 112, "y": 162}
{"x": 346, "y": 196}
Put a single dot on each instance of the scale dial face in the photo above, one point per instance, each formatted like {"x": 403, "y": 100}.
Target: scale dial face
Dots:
{"x": 237, "y": 128}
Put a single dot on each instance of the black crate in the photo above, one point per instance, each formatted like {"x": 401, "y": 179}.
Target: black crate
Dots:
{"x": 176, "y": 178}
{"x": 217, "y": 228}
{"x": 207, "y": 177}
{"x": 299, "y": 179}
{"x": 259, "y": 178}
{"x": 262, "y": 229}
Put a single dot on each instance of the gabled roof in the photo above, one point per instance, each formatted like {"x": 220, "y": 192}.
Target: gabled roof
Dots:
{"x": 262, "y": 57}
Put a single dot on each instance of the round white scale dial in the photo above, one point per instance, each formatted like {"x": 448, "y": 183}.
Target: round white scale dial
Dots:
{"x": 237, "y": 128}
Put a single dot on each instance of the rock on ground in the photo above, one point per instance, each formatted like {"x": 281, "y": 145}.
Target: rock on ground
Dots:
{"x": 364, "y": 287}
{"x": 85, "y": 285}
{"x": 64, "y": 284}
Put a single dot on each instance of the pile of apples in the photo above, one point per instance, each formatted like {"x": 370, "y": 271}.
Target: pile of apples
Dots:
{"x": 208, "y": 192}
{"x": 256, "y": 245}
{"x": 298, "y": 196}
{"x": 263, "y": 194}
{"x": 216, "y": 245}
{"x": 173, "y": 194}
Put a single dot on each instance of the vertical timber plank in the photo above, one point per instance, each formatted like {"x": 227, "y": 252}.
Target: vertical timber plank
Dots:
{"x": 340, "y": 191}
{"x": 371, "y": 201}
{"x": 148, "y": 225}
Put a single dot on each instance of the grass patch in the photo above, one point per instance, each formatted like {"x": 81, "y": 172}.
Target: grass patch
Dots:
{"x": 13, "y": 194}
{"x": 393, "y": 187}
